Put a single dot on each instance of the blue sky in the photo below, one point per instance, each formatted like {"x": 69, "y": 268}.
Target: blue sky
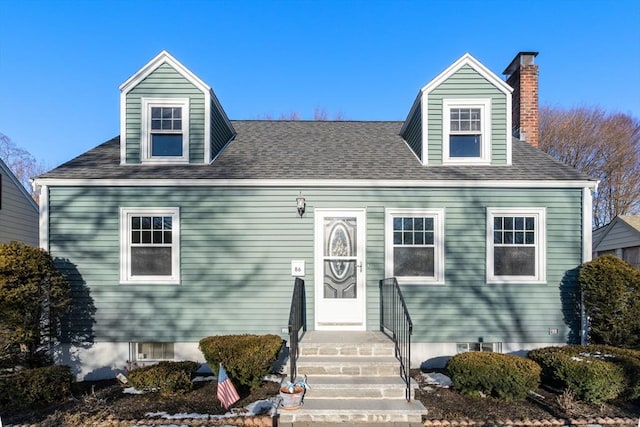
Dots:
{"x": 61, "y": 62}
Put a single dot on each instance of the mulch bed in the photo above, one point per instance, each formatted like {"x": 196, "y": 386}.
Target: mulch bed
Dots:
{"x": 104, "y": 404}
{"x": 545, "y": 407}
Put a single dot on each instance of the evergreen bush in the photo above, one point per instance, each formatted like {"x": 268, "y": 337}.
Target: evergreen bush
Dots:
{"x": 34, "y": 296}
{"x": 611, "y": 294}
{"x": 37, "y": 387}
{"x": 594, "y": 374}
{"x": 499, "y": 375}
{"x": 165, "y": 377}
{"x": 246, "y": 358}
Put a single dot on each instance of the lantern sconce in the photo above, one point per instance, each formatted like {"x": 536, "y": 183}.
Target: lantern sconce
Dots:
{"x": 301, "y": 204}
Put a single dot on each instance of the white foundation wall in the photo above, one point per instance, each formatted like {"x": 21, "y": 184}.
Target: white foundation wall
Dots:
{"x": 436, "y": 355}
{"x": 99, "y": 361}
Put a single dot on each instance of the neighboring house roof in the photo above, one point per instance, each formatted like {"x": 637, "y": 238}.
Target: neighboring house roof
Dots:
{"x": 315, "y": 150}
{"x": 627, "y": 225}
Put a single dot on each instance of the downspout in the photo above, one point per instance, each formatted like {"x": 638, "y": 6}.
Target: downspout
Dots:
{"x": 587, "y": 220}
{"x": 44, "y": 217}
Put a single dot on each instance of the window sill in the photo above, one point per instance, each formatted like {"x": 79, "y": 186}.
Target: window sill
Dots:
{"x": 458, "y": 162}
{"x": 518, "y": 281}
{"x": 166, "y": 161}
{"x": 419, "y": 282}
{"x": 152, "y": 282}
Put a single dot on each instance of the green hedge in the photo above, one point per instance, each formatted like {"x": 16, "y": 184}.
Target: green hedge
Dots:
{"x": 246, "y": 358}
{"x": 611, "y": 295}
{"x": 595, "y": 374}
{"x": 36, "y": 387}
{"x": 164, "y": 377}
{"x": 499, "y": 375}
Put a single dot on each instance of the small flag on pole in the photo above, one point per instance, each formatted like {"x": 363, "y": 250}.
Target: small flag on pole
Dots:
{"x": 227, "y": 393}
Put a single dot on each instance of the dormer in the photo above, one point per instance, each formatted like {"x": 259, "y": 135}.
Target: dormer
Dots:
{"x": 169, "y": 116}
{"x": 462, "y": 117}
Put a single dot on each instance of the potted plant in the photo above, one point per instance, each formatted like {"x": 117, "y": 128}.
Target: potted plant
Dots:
{"x": 291, "y": 394}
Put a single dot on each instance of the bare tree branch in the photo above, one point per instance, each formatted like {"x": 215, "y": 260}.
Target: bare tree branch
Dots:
{"x": 22, "y": 163}
{"x": 603, "y": 145}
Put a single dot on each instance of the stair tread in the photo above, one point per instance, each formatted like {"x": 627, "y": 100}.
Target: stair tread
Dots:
{"x": 359, "y": 360}
{"x": 345, "y": 337}
{"x": 362, "y": 405}
{"x": 360, "y": 381}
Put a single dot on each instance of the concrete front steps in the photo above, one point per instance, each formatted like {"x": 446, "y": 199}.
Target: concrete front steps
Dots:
{"x": 353, "y": 377}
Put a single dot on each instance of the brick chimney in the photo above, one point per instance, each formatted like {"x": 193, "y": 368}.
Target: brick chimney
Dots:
{"x": 522, "y": 76}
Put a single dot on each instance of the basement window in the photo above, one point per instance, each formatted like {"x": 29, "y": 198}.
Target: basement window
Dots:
{"x": 493, "y": 347}
{"x": 154, "y": 351}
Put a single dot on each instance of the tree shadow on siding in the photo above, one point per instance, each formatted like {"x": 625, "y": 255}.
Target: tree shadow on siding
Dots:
{"x": 571, "y": 307}
{"x": 468, "y": 309}
{"x": 76, "y": 331}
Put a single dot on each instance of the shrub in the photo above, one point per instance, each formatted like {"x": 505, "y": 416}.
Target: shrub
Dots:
{"x": 594, "y": 374}
{"x": 34, "y": 296}
{"x": 164, "y": 377}
{"x": 499, "y": 375}
{"x": 246, "y": 358}
{"x": 611, "y": 290}
{"x": 31, "y": 388}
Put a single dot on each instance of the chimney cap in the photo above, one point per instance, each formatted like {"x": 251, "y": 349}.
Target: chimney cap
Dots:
{"x": 522, "y": 58}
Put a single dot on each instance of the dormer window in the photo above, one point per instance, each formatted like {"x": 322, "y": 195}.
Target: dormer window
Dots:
{"x": 466, "y": 130}
{"x": 165, "y": 130}
{"x": 465, "y": 134}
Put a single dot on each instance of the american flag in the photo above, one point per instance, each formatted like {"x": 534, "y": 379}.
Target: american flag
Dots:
{"x": 227, "y": 393}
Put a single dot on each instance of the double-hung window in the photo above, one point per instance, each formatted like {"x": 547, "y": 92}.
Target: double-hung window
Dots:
{"x": 414, "y": 245}
{"x": 516, "y": 245}
{"x": 150, "y": 245}
{"x": 165, "y": 130}
{"x": 466, "y": 130}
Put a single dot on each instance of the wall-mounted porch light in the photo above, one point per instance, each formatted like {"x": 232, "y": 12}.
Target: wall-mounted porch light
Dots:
{"x": 300, "y": 203}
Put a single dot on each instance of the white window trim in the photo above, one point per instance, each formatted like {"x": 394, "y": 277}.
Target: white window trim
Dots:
{"x": 125, "y": 246}
{"x": 438, "y": 240}
{"x": 540, "y": 244}
{"x": 145, "y": 136}
{"x": 485, "y": 122}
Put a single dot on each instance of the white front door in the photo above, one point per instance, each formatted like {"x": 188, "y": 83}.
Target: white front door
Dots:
{"x": 340, "y": 269}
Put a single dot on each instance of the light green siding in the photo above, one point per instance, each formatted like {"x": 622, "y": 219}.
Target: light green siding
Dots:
{"x": 467, "y": 83}
{"x": 221, "y": 132}
{"x": 18, "y": 213}
{"x": 237, "y": 245}
{"x": 165, "y": 82}
{"x": 413, "y": 131}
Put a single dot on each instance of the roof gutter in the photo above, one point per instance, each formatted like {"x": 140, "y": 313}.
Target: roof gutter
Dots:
{"x": 83, "y": 182}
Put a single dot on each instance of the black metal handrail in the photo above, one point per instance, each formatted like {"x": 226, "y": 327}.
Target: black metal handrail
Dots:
{"x": 297, "y": 322}
{"x": 395, "y": 321}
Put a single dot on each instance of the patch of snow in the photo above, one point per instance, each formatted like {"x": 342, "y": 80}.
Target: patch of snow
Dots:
{"x": 597, "y": 355}
{"x": 437, "y": 379}
{"x": 260, "y": 407}
{"x": 132, "y": 390}
{"x": 273, "y": 378}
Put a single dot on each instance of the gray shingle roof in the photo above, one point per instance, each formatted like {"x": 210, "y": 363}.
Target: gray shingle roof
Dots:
{"x": 316, "y": 150}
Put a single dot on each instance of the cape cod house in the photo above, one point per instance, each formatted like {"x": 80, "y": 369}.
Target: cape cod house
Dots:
{"x": 18, "y": 211}
{"x": 189, "y": 224}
